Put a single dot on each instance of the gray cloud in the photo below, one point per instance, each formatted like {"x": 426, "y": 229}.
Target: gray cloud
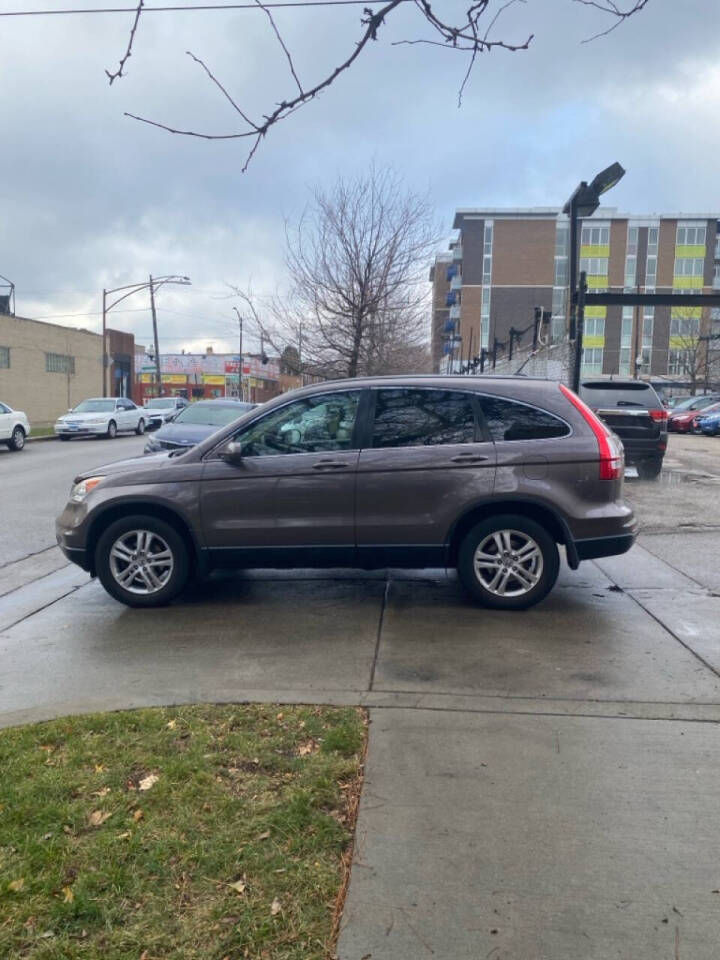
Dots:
{"x": 91, "y": 198}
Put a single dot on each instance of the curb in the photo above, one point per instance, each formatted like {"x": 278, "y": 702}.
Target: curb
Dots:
{"x": 32, "y": 439}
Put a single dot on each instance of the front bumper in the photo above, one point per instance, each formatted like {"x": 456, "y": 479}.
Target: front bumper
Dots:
{"x": 83, "y": 430}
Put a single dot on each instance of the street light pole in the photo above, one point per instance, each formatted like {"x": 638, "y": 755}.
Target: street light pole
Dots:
{"x": 104, "y": 342}
{"x": 240, "y": 355}
{"x": 158, "y": 375}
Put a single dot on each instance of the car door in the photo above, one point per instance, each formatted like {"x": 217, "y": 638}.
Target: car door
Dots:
{"x": 291, "y": 498}
{"x": 129, "y": 415}
{"x": 426, "y": 460}
{"x": 6, "y": 422}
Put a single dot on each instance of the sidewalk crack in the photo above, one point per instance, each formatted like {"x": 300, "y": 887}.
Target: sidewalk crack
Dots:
{"x": 381, "y": 623}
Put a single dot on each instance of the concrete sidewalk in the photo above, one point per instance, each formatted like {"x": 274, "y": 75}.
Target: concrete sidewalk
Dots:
{"x": 551, "y": 775}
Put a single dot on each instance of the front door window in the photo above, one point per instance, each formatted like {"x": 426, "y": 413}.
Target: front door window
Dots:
{"x": 311, "y": 425}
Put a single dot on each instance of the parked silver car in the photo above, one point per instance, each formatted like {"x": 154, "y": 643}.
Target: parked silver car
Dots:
{"x": 101, "y": 417}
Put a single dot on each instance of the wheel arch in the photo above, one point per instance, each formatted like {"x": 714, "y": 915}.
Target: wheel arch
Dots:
{"x": 535, "y": 510}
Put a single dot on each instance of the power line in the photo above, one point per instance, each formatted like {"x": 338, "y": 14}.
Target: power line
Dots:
{"x": 192, "y": 8}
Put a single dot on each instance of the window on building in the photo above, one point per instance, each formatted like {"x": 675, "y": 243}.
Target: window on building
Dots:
{"x": 717, "y": 247}
{"x": 648, "y": 326}
{"x": 4, "y": 358}
{"x": 684, "y": 326}
{"x": 691, "y": 236}
{"x": 594, "y": 327}
{"x": 595, "y": 236}
{"x": 632, "y": 241}
{"x": 59, "y": 363}
{"x": 561, "y": 271}
{"x": 624, "y": 361}
{"x": 689, "y": 266}
{"x": 419, "y": 418}
{"x": 679, "y": 362}
{"x": 488, "y": 238}
{"x": 594, "y": 266}
{"x": 630, "y": 271}
{"x": 653, "y": 238}
{"x": 716, "y": 277}
{"x": 487, "y": 269}
{"x": 592, "y": 361}
{"x": 651, "y": 272}
{"x": 508, "y": 420}
{"x": 562, "y": 241}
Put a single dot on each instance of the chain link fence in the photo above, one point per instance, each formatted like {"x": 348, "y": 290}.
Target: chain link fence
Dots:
{"x": 550, "y": 361}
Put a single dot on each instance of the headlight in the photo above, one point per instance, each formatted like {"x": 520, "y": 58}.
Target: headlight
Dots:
{"x": 97, "y": 420}
{"x": 82, "y": 489}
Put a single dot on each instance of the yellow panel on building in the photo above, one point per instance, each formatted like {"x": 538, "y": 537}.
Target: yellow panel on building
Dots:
{"x": 592, "y": 342}
{"x": 595, "y": 282}
{"x": 597, "y": 250}
{"x": 683, "y": 343}
{"x": 688, "y": 283}
{"x": 214, "y": 380}
{"x": 691, "y": 250}
{"x": 595, "y": 312}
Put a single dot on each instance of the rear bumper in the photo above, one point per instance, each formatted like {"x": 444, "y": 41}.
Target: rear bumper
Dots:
{"x": 604, "y": 546}
{"x": 645, "y": 449}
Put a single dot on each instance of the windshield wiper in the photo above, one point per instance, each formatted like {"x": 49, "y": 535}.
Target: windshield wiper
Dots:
{"x": 629, "y": 403}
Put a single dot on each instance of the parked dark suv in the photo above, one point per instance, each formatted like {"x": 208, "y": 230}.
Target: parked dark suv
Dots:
{"x": 486, "y": 475}
{"x": 633, "y": 411}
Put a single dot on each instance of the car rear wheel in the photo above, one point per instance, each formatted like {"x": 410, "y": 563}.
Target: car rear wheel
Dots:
{"x": 111, "y": 432}
{"x": 140, "y": 429}
{"x": 649, "y": 469}
{"x": 508, "y": 562}
{"x": 142, "y": 561}
{"x": 17, "y": 440}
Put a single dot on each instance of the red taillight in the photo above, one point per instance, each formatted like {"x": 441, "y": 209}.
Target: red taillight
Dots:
{"x": 612, "y": 459}
{"x": 659, "y": 415}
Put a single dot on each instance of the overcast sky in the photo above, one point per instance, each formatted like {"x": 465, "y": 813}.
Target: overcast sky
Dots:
{"x": 91, "y": 198}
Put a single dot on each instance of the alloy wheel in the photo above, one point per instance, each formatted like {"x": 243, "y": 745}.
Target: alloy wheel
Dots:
{"x": 141, "y": 562}
{"x": 18, "y": 438}
{"x": 508, "y": 563}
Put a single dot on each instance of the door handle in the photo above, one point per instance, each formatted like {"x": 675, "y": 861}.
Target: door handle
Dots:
{"x": 329, "y": 465}
{"x": 469, "y": 458}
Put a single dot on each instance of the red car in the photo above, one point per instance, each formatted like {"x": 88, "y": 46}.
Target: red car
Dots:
{"x": 684, "y": 420}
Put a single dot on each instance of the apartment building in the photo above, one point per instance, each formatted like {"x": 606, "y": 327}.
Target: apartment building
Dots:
{"x": 506, "y": 262}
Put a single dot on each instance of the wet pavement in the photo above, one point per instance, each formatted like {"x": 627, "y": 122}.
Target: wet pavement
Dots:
{"x": 540, "y": 785}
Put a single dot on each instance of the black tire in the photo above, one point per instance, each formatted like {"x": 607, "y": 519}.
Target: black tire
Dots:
{"x": 17, "y": 440}
{"x": 140, "y": 429}
{"x": 63, "y": 437}
{"x": 111, "y": 431}
{"x": 160, "y": 531}
{"x": 544, "y": 565}
{"x": 649, "y": 469}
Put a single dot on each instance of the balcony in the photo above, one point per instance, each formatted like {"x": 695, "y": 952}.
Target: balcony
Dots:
{"x": 451, "y": 272}
{"x": 451, "y": 299}
{"x": 457, "y": 252}
{"x": 449, "y": 326}
{"x": 456, "y": 283}
{"x": 455, "y": 312}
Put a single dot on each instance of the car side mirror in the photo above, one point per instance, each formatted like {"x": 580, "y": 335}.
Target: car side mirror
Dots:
{"x": 233, "y": 452}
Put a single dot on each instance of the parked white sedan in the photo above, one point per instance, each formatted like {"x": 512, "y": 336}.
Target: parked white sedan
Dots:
{"x": 101, "y": 417}
{"x": 14, "y": 427}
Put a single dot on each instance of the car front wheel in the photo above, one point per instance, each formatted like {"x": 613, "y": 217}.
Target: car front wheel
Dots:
{"x": 142, "y": 561}
{"x": 140, "y": 429}
{"x": 508, "y": 562}
{"x": 111, "y": 432}
{"x": 17, "y": 440}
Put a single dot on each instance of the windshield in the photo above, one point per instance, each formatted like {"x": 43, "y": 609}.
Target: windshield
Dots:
{"x": 160, "y": 403}
{"x": 607, "y": 394}
{"x": 94, "y": 406}
{"x": 213, "y": 414}
{"x": 694, "y": 403}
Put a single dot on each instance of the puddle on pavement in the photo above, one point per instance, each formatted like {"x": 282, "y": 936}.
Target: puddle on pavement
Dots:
{"x": 671, "y": 478}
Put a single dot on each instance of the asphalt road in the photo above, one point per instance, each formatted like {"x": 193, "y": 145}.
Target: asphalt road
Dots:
{"x": 35, "y": 485}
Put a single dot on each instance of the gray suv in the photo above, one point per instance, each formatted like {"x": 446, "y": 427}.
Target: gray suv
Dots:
{"x": 485, "y": 475}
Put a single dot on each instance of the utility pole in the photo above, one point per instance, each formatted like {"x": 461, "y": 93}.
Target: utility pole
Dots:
{"x": 104, "y": 338}
{"x": 158, "y": 375}
{"x": 636, "y": 358}
{"x": 240, "y": 355}
{"x": 579, "y": 330}
{"x": 300, "y": 363}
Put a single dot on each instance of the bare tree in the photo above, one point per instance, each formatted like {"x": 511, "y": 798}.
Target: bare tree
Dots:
{"x": 357, "y": 297}
{"x": 472, "y": 35}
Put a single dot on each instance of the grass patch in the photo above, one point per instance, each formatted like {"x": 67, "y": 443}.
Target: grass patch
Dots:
{"x": 42, "y": 430}
{"x": 194, "y": 832}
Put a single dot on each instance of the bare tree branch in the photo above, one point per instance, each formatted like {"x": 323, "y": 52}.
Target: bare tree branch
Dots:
{"x": 609, "y": 6}
{"x": 128, "y": 53}
{"x": 465, "y": 35}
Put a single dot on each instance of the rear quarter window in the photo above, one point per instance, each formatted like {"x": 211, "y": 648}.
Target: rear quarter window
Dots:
{"x": 510, "y": 420}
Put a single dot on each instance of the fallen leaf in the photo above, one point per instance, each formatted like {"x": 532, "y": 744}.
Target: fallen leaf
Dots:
{"x": 149, "y": 781}
{"x": 171, "y": 724}
{"x": 67, "y": 829}
{"x": 46, "y": 836}
{"x": 47, "y": 748}
{"x": 264, "y": 836}
{"x": 280, "y": 716}
{"x": 123, "y": 836}
{"x": 144, "y": 955}
{"x": 47, "y": 934}
{"x": 99, "y": 768}
{"x": 102, "y": 792}
{"x": 275, "y": 907}
{"x": 138, "y": 815}
{"x": 238, "y": 886}
{"x": 309, "y": 746}
{"x": 98, "y": 817}
{"x": 68, "y": 896}
{"x": 16, "y": 885}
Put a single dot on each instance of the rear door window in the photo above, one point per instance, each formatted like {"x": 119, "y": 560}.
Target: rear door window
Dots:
{"x": 510, "y": 420}
{"x": 408, "y": 417}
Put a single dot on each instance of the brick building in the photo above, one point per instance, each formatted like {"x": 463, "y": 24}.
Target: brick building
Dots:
{"x": 46, "y": 368}
{"x": 505, "y": 262}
